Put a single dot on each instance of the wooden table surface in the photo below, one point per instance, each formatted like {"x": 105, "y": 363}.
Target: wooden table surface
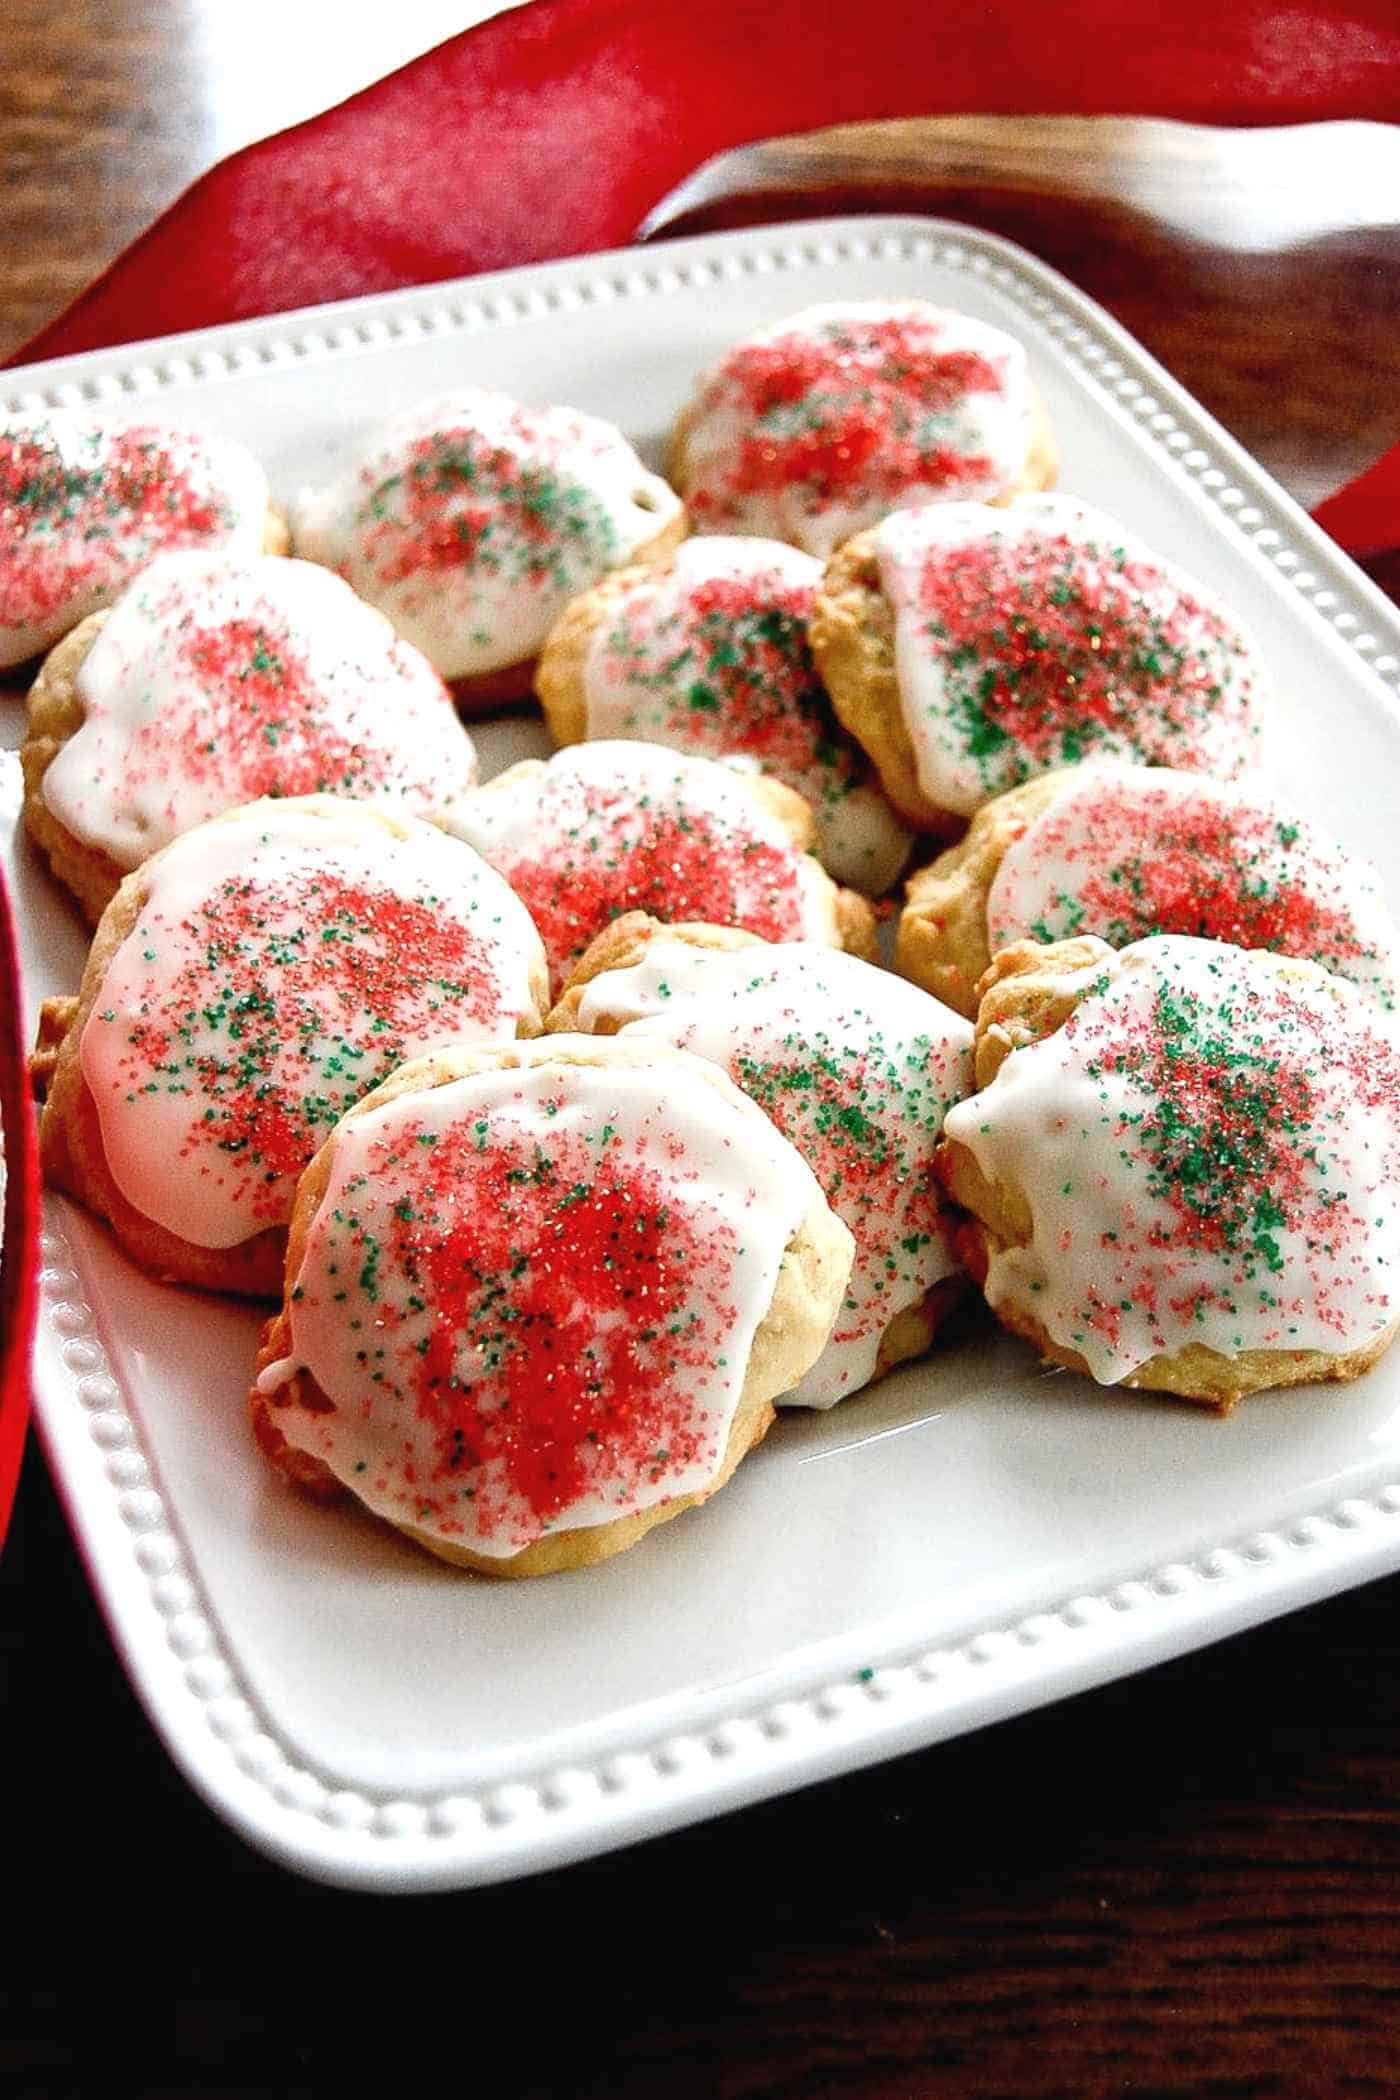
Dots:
{"x": 1185, "y": 1884}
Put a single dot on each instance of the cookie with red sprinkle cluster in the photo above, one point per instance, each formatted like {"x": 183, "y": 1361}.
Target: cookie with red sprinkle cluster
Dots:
{"x": 1182, "y": 1163}
{"x": 245, "y": 987}
{"x": 1127, "y": 851}
{"x": 857, "y": 1069}
{"x": 217, "y": 679}
{"x": 606, "y": 828}
{"x": 540, "y": 1299}
{"x": 707, "y": 651}
{"x": 816, "y": 427}
{"x": 471, "y": 520}
{"x": 968, "y": 649}
{"x": 85, "y": 506}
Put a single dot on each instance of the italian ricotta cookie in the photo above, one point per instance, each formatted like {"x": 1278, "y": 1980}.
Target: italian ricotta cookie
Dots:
{"x": 856, "y": 1068}
{"x": 245, "y": 987}
{"x": 968, "y": 649}
{"x": 1182, "y": 1163}
{"x": 540, "y": 1299}
{"x": 814, "y": 428}
{"x": 602, "y": 829}
{"x": 707, "y": 651}
{"x": 472, "y": 520}
{"x": 85, "y": 506}
{"x": 1127, "y": 851}
{"x": 216, "y": 680}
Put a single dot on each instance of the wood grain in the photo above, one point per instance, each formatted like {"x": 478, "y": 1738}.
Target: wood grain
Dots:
{"x": 1262, "y": 267}
{"x": 1182, "y": 1885}
{"x": 100, "y": 130}
{"x": 1186, "y": 1884}
{"x": 109, "y": 108}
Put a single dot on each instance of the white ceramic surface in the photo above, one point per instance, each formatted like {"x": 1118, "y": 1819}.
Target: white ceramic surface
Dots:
{"x": 969, "y": 1539}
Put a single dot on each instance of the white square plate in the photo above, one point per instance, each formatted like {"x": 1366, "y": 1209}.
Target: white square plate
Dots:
{"x": 972, "y": 1537}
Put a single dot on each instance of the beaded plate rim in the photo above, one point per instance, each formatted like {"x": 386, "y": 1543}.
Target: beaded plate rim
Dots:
{"x": 547, "y": 1815}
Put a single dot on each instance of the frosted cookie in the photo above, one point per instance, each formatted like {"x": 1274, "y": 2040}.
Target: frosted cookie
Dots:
{"x": 472, "y": 520}
{"x": 539, "y": 1300}
{"x": 1182, "y": 1165}
{"x": 214, "y": 681}
{"x": 607, "y": 828}
{"x": 1127, "y": 851}
{"x": 245, "y": 987}
{"x": 84, "y": 507}
{"x": 856, "y": 1068}
{"x": 816, "y": 427}
{"x": 707, "y": 651}
{"x": 968, "y": 649}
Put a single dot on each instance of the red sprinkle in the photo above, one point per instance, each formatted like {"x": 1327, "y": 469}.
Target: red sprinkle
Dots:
{"x": 464, "y": 504}
{"x": 1053, "y": 647}
{"x": 573, "y": 1307}
{"x": 1196, "y": 876}
{"x": 747, "y": 637}
{"x": 299, "y": 997}
{"x": 626, "y": 853}
{"x": 847, "y": 409}
{"x": 261, "y": 724}
{"x": 1241, "y": 1096}
{"x": 87, "y": 520}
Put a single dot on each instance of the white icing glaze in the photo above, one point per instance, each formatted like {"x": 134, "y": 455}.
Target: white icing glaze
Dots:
{"x": 814, "y": 428}
{"x": 708, "y": 653}
{"x": 1209, "y": 1149}
{"x": 531, "y": 1294}
{"x": 1033, "y": 636}
{"x": 285, "y": 960}
{"x": 604, "y": 828}
{"x": 1126, "y": 851}
{"x": 471, "y": 520}
{"x": 857, "y": 1068}
{"x": 85, "y": 506}
{"x": 217, "y": 680}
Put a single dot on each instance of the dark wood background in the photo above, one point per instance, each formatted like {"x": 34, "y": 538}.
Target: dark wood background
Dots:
{"x": 1185, "y": 1884}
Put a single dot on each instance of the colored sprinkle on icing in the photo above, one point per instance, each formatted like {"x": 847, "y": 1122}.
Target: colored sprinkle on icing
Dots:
{"x": 260, "y": 721}
{"x": 463, "y": 502}
{"x": 856, "y": 1069}
{"x": 246, "y": 1018}
{"x": 81, "y": 510}
{"x": 1029, "y": 644}
{"x": 865, "y": 1115}
{"x": 591, "y": 842}
{"x": 217, "y": 681}
{"x": 1224, "y": 1137}
{"x": 660, "y": 861}
{"x": 718, "y": 663}
{"x": 1062, "y": 648}
{"x": 535, "y": 1319}
{"x": 853, "y": 407}
{"x": 1215, "y": 1155}
{"x": 563, "y": 1297}
{"x": 472, "y": 520}
{"x": 1137, "y": 854}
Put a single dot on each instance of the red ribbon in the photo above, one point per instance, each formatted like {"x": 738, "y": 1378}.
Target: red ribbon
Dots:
{"x": 553, "y": 130}
{"x": 19, "y": 1252}
{"x": 1364, "y": 517}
